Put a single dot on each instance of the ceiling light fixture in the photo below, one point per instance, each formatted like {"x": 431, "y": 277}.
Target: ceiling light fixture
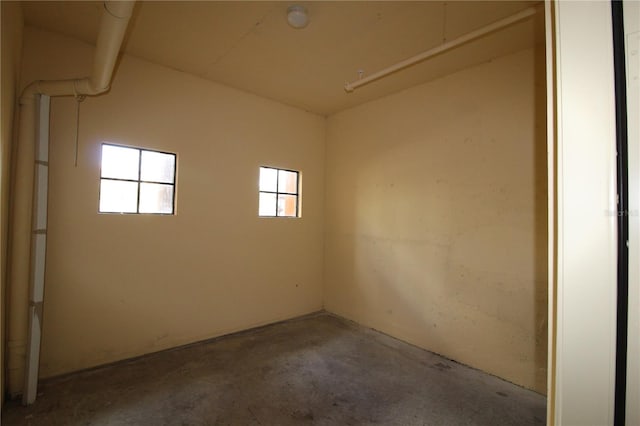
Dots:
{"x": 297, "y": 16}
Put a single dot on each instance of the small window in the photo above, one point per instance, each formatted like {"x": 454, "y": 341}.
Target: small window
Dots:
{"x": 279, "y": 193}
{"x": 137, "y": 181}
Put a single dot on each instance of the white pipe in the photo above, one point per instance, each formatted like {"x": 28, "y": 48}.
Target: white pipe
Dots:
{"x": 113, "y": 26}
{"x": 38, "y": 249}
{"x": 26, "y": 253}
{"x": 520, "y": 16}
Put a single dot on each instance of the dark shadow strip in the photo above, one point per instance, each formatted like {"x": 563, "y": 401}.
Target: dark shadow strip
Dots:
{"x": 622, "y": 212}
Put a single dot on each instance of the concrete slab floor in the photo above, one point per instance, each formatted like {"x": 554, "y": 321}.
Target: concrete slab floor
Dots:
{"x": 315, "y": 370}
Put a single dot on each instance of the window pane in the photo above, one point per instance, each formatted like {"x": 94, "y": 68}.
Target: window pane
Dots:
{"x": 156, "y": 198}
{"x": 118, "y": 196}
{"x": 287, "y": 181}
{"x": 287, "y": 205}
{"x": 120, "y": 162}
{"x": 268, "y": 179}
{"x": 157, "y": 167}
{"x": 267, "y": 205}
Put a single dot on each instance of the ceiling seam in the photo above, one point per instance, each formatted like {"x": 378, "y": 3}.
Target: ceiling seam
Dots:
{"x": 240, "y": 39}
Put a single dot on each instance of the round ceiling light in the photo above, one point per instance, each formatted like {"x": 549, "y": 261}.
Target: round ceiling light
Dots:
{"x": 297, "y": 16}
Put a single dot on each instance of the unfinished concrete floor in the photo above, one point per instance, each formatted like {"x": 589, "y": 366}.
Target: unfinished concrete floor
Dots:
{"x": 316, "y": 370}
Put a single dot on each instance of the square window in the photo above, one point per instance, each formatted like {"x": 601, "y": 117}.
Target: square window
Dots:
{"x": 279, "y": 193}
{"x": 157, "y": 167}
{"x": 118, "y": 196}
{"x": 135, "y": 180}
{"x": 287, "y": 205}
{"x": 155, "y": 198}
{"x": 268, "y": 204}
{"x": 287, "y": 182}
{"x": 268, "y": 179}
{"x": 119, "y": 162}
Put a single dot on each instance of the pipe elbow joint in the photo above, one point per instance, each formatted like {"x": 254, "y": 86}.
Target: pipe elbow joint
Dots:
{"x": 28, "y": 95}
{"x": 120, "y": 9}
{"x": 98, "y": 90}
{"x": 86, "y": 87}
{"x": 93, "y": 90}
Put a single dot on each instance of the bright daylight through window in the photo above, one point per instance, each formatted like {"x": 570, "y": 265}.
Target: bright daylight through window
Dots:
{"x": 134, "y": 180}
{"x": 279, "y": 193}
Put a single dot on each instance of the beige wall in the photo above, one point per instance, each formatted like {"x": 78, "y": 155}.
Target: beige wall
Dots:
{"x": 11, "y": 54}
{"x": 121, "y": 285}
{"x": 436, "y": 217}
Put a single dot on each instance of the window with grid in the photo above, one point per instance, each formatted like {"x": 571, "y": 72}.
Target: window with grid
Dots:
{"x": 279, "y": 193}
{"x": 137, "y": 181}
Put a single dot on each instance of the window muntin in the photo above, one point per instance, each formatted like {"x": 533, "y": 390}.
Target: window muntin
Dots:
{"x": 136, "y": 180}
{"x": 279, "y": 193}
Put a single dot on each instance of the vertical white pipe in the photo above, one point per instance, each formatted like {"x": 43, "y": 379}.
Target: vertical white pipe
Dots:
{"x": 19, "y": 247}
{"x": 28, "y": 245}
{"x": 38, "y": 247}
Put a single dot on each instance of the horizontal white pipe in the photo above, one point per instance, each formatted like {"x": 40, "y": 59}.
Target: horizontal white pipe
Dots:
{"x": 520, "y": 16}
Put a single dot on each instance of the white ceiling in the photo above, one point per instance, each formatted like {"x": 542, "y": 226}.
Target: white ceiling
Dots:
{"x": 250, "y": 46}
